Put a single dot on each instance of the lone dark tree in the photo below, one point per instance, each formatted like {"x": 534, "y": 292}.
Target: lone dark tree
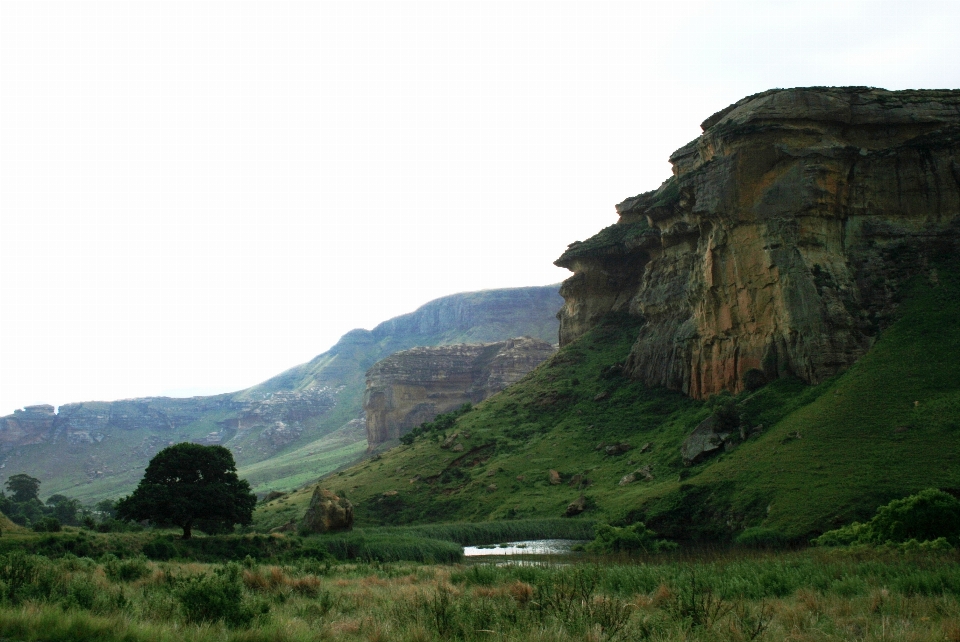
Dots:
{"x": 189, "y": 485}
{"x": 23, "y": 487}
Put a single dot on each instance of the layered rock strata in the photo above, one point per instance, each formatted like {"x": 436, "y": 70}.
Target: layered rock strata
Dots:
{"x": 413, "y": 386}
{"x": 92, "y": 421}
{"x": 783, "y": 239}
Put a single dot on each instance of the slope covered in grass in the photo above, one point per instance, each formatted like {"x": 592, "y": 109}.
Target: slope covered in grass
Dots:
{"x": 301, "y": 466}
{"x": 552, "y": 420}
{"x": 826, "y": 455}
{"x": 888, "y": 427}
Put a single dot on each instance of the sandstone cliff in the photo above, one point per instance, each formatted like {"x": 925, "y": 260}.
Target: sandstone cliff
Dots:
{"x": 414, "y": 386}
{"x": 782, "y": 239}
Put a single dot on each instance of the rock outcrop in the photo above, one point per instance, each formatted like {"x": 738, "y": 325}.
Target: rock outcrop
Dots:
{"x": 706, "y": 439}
{"x": 327, "y": 513}
{"x": 781, "y": 241}
{"x": 28, "y": 426}
{"x": 414, "y": 386}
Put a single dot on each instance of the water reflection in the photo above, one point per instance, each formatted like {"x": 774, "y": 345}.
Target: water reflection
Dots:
{"x": 530, "y": 547}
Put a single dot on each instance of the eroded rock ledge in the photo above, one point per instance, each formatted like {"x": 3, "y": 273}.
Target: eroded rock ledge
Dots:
{"x": 782, "y": 239}
{"x": 413, "y": 386}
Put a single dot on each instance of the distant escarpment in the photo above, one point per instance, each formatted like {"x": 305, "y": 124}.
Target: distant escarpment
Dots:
{"x": 95, "y": 450}
{"x": 782, "y": 240}
{"x": 92, "y": 421}
{"x": 414, "y": 386}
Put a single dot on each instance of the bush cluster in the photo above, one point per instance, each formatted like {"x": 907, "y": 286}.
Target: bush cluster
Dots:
{"x": 23, "y": 506}
{"x": 47, "y": 525}
{"x": 217, "y": 597}
{"x": 759, "y": 537}
{"x": 440, "y": 423}
{"x": 928, "y": 516}
{"x": 635, "y": 538}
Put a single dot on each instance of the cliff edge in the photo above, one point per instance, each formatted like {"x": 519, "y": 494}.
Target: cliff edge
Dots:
{"x": 411, "y": 387}
{"x": 781, "y": 242}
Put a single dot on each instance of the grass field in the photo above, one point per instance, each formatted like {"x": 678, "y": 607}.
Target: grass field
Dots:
{"x": 734, "y": 595}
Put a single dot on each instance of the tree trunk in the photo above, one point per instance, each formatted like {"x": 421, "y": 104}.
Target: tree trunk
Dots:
{"x": 186, "y": 530}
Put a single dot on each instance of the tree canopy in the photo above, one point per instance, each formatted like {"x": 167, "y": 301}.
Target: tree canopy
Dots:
{"x": 24, "y": 487}
{"x": 64, "y": 508}
{"x": 189, "y": 485}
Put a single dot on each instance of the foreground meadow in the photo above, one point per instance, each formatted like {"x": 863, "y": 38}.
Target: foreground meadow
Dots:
{"x": 803, "y": 595}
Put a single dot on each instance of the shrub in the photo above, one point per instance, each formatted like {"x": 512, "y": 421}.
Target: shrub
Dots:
{"x": 81, "y": 592}
{"x": 726, "y": 416}
{"x": 629, "y": 539}
{"x": 47, "y": 525}
{"x": 111, "y": 525}
{"x": 125, "y": 570}
{"x": 440, "y": 423}
{"x": 18, "y": 572}
{"x": 211, "y": 598}
{"x": 927, "y": 516}
{"x": 159, "y": 549}
{"x": 758, "y": 537}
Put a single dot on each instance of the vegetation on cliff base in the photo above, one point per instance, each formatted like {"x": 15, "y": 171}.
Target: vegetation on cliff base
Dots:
{"x": 443, "y": 421}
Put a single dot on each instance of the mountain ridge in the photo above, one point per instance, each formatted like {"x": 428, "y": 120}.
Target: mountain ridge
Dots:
{"x": 286, "y": 417}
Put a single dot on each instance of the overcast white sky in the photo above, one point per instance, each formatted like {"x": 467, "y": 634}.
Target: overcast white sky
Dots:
{"x": 195, "y": 196}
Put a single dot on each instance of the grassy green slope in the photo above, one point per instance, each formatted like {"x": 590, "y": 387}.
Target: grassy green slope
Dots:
{"x": 888, "y": 427}
{"x": 829, "y": 454}
{"x": 471, "y": 317}
{"x": 548, "y": 421}
{"x": 290, "y": 470}
{"x": 91, "y": 472}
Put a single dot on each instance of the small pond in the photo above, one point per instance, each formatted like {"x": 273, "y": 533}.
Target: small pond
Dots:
{"x": 530, "y": 547}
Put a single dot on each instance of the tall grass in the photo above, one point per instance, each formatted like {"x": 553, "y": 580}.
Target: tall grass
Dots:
{"x": 466, "y": 533}
{"x": 438, "y": 543}
{"x": 806, "y": 595}
{"x": 384, "y": 547}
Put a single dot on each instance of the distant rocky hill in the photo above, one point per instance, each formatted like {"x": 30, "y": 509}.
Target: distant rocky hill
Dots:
{"x": 413, "y": 386}
{"x": 289, "y": 429}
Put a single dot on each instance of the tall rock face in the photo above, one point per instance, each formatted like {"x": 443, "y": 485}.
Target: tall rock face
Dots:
{"x": 782, "y": 239}
{"x": 28, "y": 426}
{"x": 413, "y": 386}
